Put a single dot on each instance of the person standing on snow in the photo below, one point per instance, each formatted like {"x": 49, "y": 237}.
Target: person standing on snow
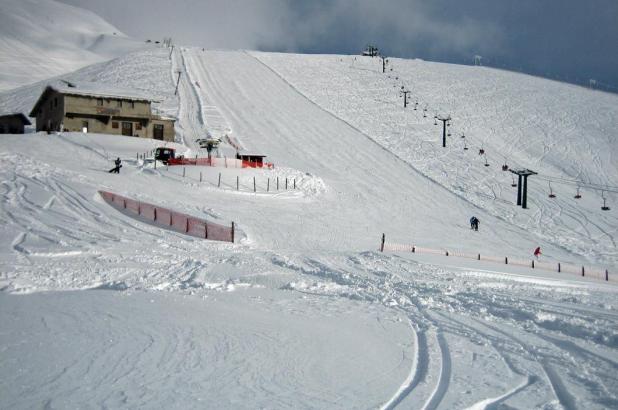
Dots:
{"x": 474, "y": 223}
{"x": 537, "y": 252}
{"x": 116, "y": 169}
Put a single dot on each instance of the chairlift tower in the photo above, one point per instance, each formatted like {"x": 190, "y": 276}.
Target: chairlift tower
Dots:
{"x": 444, "y": 121}
{"x": 522, "y": 190}
{"x": 405, "y": 94}
{"x": 384, "y": 63}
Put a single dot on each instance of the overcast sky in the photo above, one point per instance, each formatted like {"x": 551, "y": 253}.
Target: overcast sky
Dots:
{"x": 574, "y": 40}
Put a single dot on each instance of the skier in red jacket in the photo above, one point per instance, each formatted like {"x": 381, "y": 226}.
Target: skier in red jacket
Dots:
{"x": 537, "y": 252}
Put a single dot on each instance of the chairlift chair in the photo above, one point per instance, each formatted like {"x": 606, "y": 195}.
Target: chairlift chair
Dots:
{"x": 505, "y": 167}
{"x": 513, "y": 184}
{"x": 486, "y": 163}
{"x": 577, "y": 195}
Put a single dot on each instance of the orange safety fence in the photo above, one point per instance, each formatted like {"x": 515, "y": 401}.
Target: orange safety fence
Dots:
{"x": 166, "y": 218}
{"x": 597, "y": 273}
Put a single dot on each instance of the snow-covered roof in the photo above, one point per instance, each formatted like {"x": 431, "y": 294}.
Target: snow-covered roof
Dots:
{"x": 23, "y": 116}
{"x": 96, "y": 90}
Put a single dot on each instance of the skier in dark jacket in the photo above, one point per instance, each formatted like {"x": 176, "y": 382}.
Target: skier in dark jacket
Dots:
{"x": 474, "y": 223}
{"x": 116, "y": 169}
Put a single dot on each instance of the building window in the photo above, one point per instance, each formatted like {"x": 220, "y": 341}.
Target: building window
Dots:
{"x": 100, "y": 102}
{"x": 114, "y": 124}
{"x": 138, "y": 126}
{"x": 119, "y": 104}
{"x": 55, "y": 101}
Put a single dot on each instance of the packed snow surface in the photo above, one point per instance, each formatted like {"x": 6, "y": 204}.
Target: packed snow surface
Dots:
{"x": 303, "y": 311}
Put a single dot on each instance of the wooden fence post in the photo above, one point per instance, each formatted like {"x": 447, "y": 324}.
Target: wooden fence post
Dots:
{"x": 606, "y": 275}
{"x": 253, "y": 184}
{"x": 533, "y": 264}
{"x": 582, "y": 271}
{"x": 155, "y": 214}
{"x": 200, "y": 176}
{"x": 183, "y": 172}
{"x": 413, "y": 249}
{"x": 277, "y": 183}
{"x": 446, "y": 253}
{"x": 206, "y": 229}
{"x": 232, "y": 231}
{"x": 268, "y": 185}
{"x": 559, "y": 267}
{"x": 219, "y": 184}
{"x": 479, "y": 256}
{"x": 286, "y": 183}
{"x": 294, "y": 183}
{"x": 155, "y": 164}
{"x": 237, "y": 182}
{"x": 382, "y": 244}
{"x": 171, "y": 218}
{"x": 187, "y": 226}
{"x": 506, "y": 260}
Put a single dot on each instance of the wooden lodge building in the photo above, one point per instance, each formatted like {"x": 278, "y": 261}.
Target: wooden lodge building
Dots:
{"x": 13, "y": 123}
{"x": 74, "y": 108}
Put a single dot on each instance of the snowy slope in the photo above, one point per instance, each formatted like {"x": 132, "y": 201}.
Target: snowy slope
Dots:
{"x": 302, "y": 312}
{"x": 43, "y": 38}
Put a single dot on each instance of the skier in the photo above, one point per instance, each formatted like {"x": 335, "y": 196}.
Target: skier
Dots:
{"x": 537, "y": 252}
{"x": 116, "y": 169}
{"x": 474, "y": 223}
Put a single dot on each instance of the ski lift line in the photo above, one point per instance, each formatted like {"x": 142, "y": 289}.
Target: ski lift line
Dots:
{"x": 580, "y": 184}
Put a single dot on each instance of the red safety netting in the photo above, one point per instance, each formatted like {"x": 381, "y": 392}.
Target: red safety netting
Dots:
{"x": 169, "y": 219}
{"x": 219, "y": 162}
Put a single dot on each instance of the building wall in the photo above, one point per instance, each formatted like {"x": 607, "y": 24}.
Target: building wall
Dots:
{"x": 50, "y": 114}
{"x": 73, "y": 113}
{"x": 11, "y": 125}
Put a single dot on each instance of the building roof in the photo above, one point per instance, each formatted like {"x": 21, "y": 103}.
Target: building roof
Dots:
{"x": 23, "y": 117}
{"x": 95, "y": 90}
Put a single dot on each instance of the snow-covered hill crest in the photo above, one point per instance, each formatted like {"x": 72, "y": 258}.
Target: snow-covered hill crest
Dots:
{"x": 43, "y": 38}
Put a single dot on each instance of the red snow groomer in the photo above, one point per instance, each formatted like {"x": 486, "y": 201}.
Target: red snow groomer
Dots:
{"x": 164, "y": 154}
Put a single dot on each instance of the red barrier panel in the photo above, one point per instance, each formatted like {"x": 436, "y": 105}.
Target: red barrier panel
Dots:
{"x": 179, "y": 222}
{"x": 210, "y": 162}
{"x": 132, "y": 206}
{"x": 197, "y": 228}
{"x": 169, "y": 219}
{"x": 148, "y": 211}
{"x": 219, "y": 233}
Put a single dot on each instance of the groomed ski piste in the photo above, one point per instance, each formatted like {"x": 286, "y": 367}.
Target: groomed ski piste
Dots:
{"x": 98, "y": 309}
